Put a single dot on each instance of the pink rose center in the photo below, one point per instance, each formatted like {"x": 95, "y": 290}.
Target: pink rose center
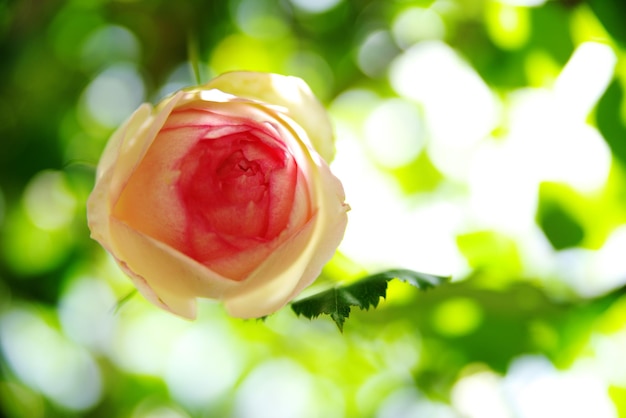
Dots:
{"x": 229, "y": 185}
{"x": 225, "y": 192}
{"x": 237, "y": 192}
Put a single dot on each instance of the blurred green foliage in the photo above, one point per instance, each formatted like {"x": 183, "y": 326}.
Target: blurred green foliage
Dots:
{"x": 529, "y": 205}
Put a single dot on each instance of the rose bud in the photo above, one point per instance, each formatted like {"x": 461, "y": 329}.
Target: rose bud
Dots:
{"x": 222, "y": 191}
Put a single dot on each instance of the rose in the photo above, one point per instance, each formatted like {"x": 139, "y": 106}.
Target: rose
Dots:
{"x": 222, "y": 191}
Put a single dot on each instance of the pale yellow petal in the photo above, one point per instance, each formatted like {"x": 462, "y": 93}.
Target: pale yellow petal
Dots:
{"x": 269, "y": 288}
{"x": 99, "y": 202}
{"x": 172, "y": 276}
{"x": 289, "y": 92}
{"x": 181, "y": 306}
{"x": 133, "y": 148}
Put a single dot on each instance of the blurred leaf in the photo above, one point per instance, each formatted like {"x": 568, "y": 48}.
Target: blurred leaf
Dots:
{"x": 514, "y": 319}
{"x": 578, "y": 322}
{"x": 364, "y": 293}
{"x": 598, "y": 214}
{"x": 510, "y": 35}
{"x": 420, "y": 175}
{"x": 609, "y": 120}
{"x": 503, "y": 327}
{"x": 561, "y": 228}
{"x": 618, "y": 396}
{"x": 551, "y": 31}
{"x": 611, "y": 13}
{"x": 490, "y": 250}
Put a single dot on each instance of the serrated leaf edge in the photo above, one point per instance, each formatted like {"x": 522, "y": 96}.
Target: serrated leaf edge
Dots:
{"x": 422, "y": 281}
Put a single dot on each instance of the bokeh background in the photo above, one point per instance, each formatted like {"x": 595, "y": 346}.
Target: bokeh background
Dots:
{"x": 483, "y": 139}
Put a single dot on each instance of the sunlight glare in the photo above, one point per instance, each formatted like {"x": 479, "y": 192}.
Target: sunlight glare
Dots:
{"x": 408, "y": 403}
{"x": 260, "y": 19}
{"x": 46, "y": 361}
{"x": 108, "y": 44}
{"x": 502, "y": 194}
{"x": 419, "y": 237}
{"x": 278, "y": 388}
{"x": 537, "y": 390}
{"x": 584, "y": 78}
{"x": 375, "y": 53}
{"x": 480, "y": 395}
{"x": 417, "y": 24}
{"x": 86, "y": 313}
{"x": 555, "y": 145}
{"x": 48, "y": 201}
{"x": 394, "y": 133}
{"x": 594, "y": 272}
{"x": 204, "y": 365}
{"x": 315, "y": 6}
{"x": 523, "y": 3}
{"x": 609, "y": 356}
{"x": 144, "y": 342}
{"x": 114, "y": 94}
{"x": 451, "y": 92}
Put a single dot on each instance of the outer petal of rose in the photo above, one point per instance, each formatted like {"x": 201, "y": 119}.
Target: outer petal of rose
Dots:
{"x": 133, "y": 148}
{"x": 99, "y": 204}
{"x": 120, "y": 157}
{"x": 176, "y": 305}
{"x": 152, "y": 186}
{"x": 272, "y": 285}
{"x": 127, "y": 130}
{"x": 330, "y": 230}
{"x": 164, "y": 276}
{"x": 292, "y": 93}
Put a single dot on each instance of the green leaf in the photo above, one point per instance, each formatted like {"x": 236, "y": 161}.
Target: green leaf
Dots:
{"x": 561, "y": 228}
{"x": 364, "y": 293}
{"x": 610, "y": 121}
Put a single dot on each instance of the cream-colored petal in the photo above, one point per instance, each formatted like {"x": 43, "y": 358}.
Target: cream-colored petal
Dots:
{"x": 268, "y": 289}
{"x": 99, "y": 201}
{"x": 98, "y": 211}
{"x": 172, "y": 276}
{"x": 121, "y": 155}
{"x": 181, "y": 306}
{"x": 333, "y": 213}
{"x": 133, "y": 148}
{"x": 292, "y": 93}
{"x": 234, "y": 112}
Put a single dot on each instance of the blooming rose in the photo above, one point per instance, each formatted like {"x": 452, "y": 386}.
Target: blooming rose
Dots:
{"x": 222, "y": 191}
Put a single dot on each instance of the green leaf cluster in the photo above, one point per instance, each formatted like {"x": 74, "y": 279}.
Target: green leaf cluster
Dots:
{"x": 365, "y": 293}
